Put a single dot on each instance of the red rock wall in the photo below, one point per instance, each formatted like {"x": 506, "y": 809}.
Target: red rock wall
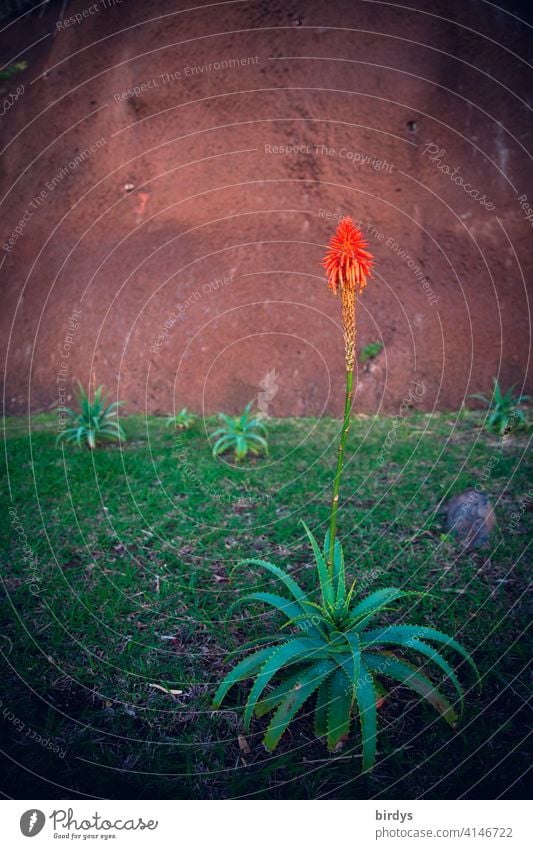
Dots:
{"x": 175, "y": 177}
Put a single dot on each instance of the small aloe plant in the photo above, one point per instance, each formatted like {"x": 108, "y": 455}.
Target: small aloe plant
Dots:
{"x": 241, "y": 434}
{"x": 336, "y": 658}
{"x": 333, "y": 656}
{"x": 370, "y": 351}
{"x": 182, "y": 420}
{"x": 12, "y": 70}
{"x": 95, "y": 421}
{"x": 503, "y": 409}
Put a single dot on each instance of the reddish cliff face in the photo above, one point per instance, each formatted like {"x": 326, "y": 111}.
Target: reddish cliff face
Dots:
{"x": 170, "y": 180}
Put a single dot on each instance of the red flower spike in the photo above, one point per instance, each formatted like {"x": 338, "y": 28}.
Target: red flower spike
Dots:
{"x": 347, "y": 263}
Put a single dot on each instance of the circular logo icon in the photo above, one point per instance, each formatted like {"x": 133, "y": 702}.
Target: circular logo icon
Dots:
{"x": 32, "y": 822}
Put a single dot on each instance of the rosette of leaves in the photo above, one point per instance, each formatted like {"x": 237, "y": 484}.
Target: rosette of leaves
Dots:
{"x": 241, "y": 434}
{"x": 338, "y": 658}
{"x": 504, "y": 411}
{"x": 95, "y": 421}
{"x": 370, "y": 352}
{"x": 14, "y": 69}
{"x": 182, "y": 420}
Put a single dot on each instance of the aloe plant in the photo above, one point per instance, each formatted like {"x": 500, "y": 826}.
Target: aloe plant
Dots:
{"x": 182, "y": 420}
{"x": 503, "y": 409}
{"x": 336, "y": 659}
{"x": 370, "y": 351}
{"x": 95, "y": 420}
{"x": 12, "y": 70}
{"x": 332, "y": 655}
{"x": 241, "y": 434}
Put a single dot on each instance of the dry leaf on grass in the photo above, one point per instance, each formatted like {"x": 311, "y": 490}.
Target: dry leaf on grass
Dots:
{"x": 165, "y": 690}
{"x": 243, "y": 744}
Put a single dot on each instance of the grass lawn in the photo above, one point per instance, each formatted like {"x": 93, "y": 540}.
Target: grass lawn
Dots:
{"x": 131, "y": 579}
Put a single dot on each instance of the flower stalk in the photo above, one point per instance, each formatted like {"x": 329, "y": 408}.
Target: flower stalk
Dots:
{"x": 340, "y": 461}
{"x": 348, "y": 264}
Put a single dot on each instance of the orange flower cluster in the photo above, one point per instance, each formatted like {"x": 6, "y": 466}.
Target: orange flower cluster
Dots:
{"x": 347, "y": 262}
{"x": 348, "y": 265}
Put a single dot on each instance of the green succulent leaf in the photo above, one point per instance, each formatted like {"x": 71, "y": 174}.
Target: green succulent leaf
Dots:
{"x": 349, "y": 595}
{"x": 182, "y": 420}
{"x": 244, "y": 669}
{"x": 258, "y": 641}
{"x": 221, "y": 445}
{"x": 372, "y": 604}
{"x": 401, "y": 634}
{"x": 406, "y": 673}
{"x": 366, "y": 703}
{"x": 354, "y": 666}
{"x": 290, "y": 584}
{"x": 277, "y": 695}
{"x": 321, "y": 710}
{"x": 285, "y": 605}
{"x": 339, "y": 707}
{"x": 326, "y": 584}
{"x": 308, "y": 683}
{"x": 480, "y": 397}
{"x": 435, "y": 656}
{"x": 339, "y": 572}
{"x": 282, "y": 656}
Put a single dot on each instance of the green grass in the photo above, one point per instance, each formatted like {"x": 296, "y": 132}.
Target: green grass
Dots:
{"x": 134, "y": 549}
